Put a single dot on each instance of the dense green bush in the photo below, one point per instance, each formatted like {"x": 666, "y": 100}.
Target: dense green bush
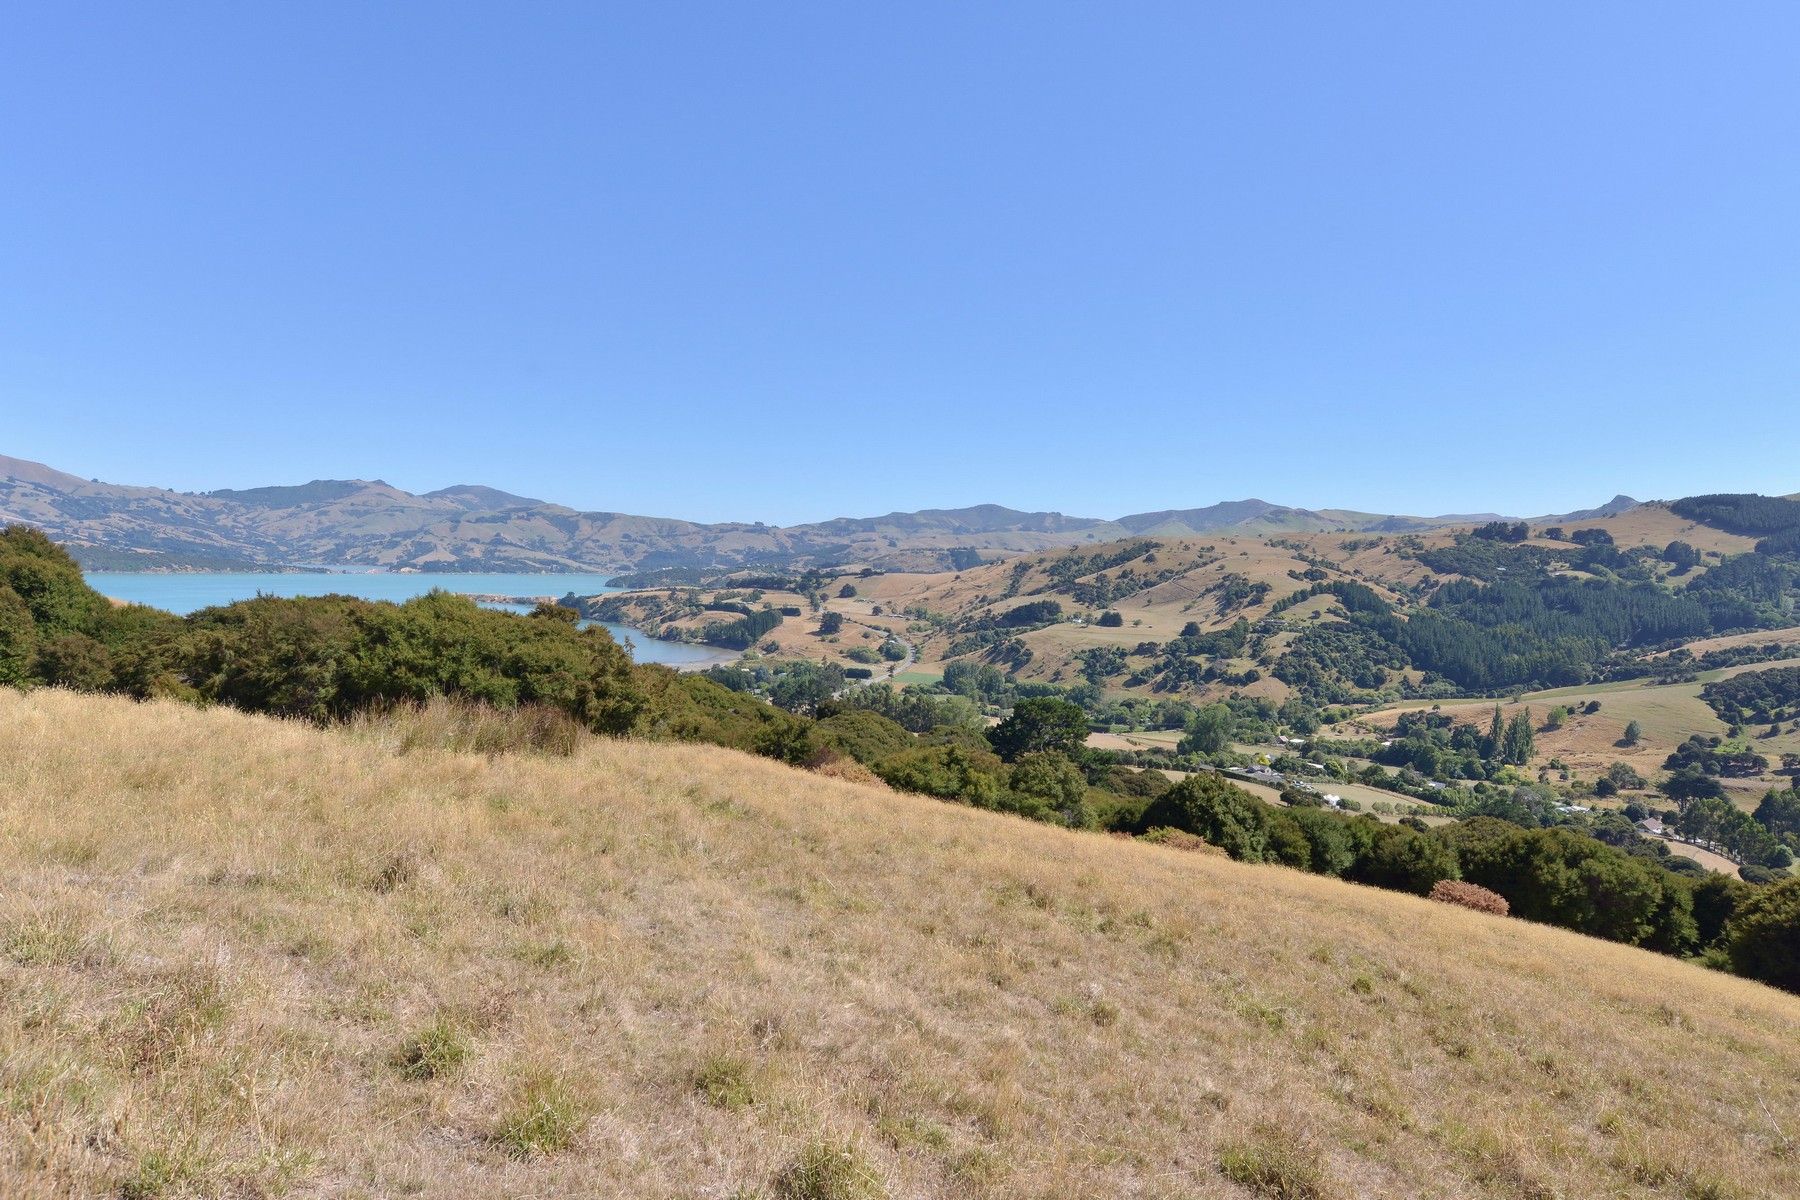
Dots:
{"x": 1401, "y": 859}
{"x": 1763, "y": 939}
{"x": 1561, "y": 877}
{"x": 1208, "y": 807}
{"x": 952, "y": 772}
{"x": 324, "y": 658}
{"x": 1043, "y": 723}
{"x": 863, "y": 735}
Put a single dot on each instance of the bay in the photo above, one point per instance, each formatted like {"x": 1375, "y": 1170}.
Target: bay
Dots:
{"x": 185, "y": 592}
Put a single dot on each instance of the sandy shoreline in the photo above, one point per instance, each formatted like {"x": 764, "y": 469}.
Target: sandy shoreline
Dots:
{"x": 719, "y": 658}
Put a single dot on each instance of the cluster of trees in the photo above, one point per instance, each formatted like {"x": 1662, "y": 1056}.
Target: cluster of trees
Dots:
{"x": 1741, "y": 513}
{"x": 1715, "y": 821}
{"x": 319, "y": 658}
{"x": 1066, "y": 569}
{"x": 1503, "y": 531}
{"x": 1554, "y": 876}
{"x": 1305, "y": 837}
{"x": 1355, "y": 597}
{"x": 1436, "y": 746}
{"x": 1549, "y": 632}
{"x": 1330, "y": 662}
{"x": 1761, "y": 696}
{"x": 1033, "y": 612}
{"x": 742, "y": 633}
{"x": 1706, "y": 755}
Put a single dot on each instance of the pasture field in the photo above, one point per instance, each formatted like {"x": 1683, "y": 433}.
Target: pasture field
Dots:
{"x": 240, "y": 957}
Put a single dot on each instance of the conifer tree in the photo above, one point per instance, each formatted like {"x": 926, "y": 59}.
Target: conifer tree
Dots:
{"x": 1520, "y": 742}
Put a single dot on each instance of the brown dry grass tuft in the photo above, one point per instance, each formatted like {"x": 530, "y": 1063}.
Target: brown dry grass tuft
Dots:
{"x": 1470, "y": 895}
{"x": 240, "y": 957}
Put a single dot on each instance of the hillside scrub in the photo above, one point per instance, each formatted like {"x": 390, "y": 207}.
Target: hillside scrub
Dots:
{"x": 667, "y": 970}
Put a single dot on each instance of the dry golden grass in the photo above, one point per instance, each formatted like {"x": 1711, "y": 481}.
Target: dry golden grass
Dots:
{"x": 245, "y": 958}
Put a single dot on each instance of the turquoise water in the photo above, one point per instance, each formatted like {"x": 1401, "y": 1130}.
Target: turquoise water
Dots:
{"x": 184, "y": 593}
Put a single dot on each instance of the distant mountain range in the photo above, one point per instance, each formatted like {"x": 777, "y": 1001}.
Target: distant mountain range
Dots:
{"x": 370, "y": 524}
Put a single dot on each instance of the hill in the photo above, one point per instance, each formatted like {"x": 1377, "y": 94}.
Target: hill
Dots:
{"x": 1161, "y": 585}
{"x": 679, "y": 971}
{"x": 471, "y": 527}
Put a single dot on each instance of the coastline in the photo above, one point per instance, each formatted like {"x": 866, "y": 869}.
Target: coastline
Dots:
{"x": 719, "y": 658}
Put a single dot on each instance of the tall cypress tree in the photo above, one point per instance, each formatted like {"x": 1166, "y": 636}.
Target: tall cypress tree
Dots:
{"x": 1520, "y": 740}
{"x": 1491, "y": 745}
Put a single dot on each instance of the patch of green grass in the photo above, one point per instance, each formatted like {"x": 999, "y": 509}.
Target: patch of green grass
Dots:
{"x": 546, "y": 1117}
{"x": 39, "y": 940}
{"x": 725, "y": 1081}
{"x": 827, "y": 1170}
{"x": 437, "y": 1050}
{"x": 161, "y": 1173}
{"x": 548, "y": 955}
{"x": 1274, "y": 1163}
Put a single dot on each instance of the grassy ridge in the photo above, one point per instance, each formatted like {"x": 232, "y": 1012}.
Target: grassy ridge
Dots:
{"x": 239, "y": 956}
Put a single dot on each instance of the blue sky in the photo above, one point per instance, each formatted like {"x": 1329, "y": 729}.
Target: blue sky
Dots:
{"x": 786, "y": 262}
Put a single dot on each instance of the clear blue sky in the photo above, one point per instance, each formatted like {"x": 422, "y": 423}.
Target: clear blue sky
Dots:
{"x": 792, "y": 261}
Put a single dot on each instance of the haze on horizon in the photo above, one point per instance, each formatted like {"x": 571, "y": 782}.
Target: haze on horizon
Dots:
{"x": 724, "y": 265}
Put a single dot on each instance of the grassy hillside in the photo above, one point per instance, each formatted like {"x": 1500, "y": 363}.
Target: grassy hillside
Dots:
{"x": 1587, "y": 743}
{"x": 242, "y": 957}
{"x": 1210, "y": 581}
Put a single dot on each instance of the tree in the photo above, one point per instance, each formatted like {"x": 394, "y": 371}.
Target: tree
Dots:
{"x": 1520, "y": 742}
{"x": 1690, "y": 784}
{"x": 1634, "y": 733}
{"x": 863, "y": 735}
{"x": 1779, "y": 813}
{"x": 1208, "y": 807}
{"x": 1054, "y": 788}
{"x": 18, "y": 638}
{"x": 1763, "y": 939}
{"x": 847, "y": 591}
{"x": 1681, "y": 556}
{"x": 1403, "y": 860}
{"x": 1492, "y": 745}
{"x": 1622, "y": 777}
{"x": 1043, "y": 723}
{"x": 1329, "y": 846}
{"x": 1209, "y": 731}
{"x": 1110, "y": 619}
{"x": 75, "y": 661}
{"x": 831, "y": 623}
{"x": 951, "y": 772}
{"x": 1716, "y": 900}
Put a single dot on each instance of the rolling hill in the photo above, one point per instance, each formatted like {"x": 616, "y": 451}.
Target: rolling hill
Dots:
{"x": 371, "y": 524}
{"x": 319, "y": 963}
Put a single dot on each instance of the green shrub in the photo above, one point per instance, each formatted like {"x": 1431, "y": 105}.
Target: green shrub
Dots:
{"x": 1208, "y": 807}
{"x": 1763, "y": 939}
{"x": 75, "y": 661}
{"x": 864, "y": 735}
